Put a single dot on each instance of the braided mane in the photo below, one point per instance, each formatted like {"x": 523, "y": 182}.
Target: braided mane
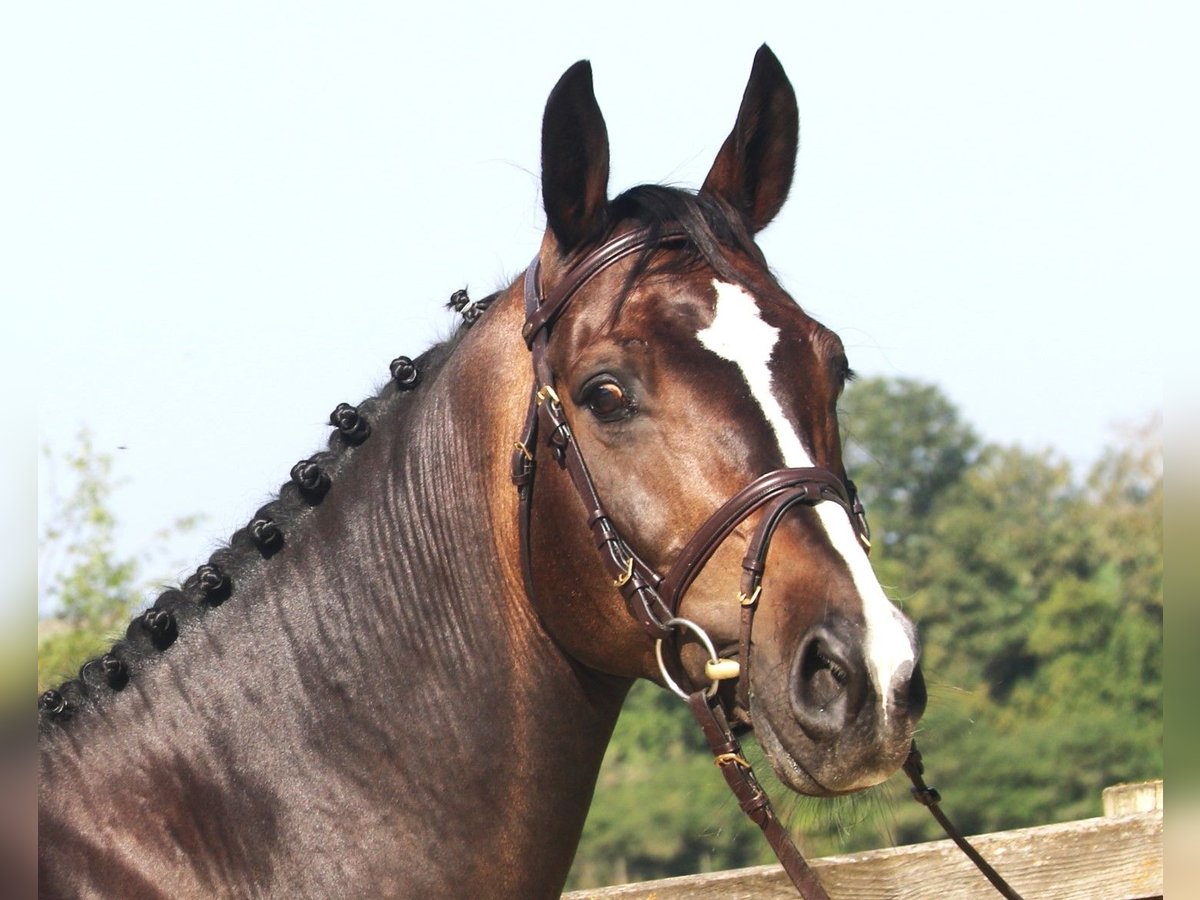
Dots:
{"x": 215, "y": 582}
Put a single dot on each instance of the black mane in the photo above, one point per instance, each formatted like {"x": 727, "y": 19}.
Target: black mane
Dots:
{"x": 215, "y": 582}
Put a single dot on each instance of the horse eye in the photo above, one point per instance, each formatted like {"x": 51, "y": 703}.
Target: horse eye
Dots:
{"x": 608, "y": 401}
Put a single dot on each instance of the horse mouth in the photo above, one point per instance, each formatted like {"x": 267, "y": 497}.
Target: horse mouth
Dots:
{"x": 786, "y": 751}
{"x": 799, "y": 777}
{"x": 816, "y": 767}
{"x": 786, "y": 766}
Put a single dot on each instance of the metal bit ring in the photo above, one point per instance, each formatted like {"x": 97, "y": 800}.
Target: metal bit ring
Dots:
{"x": 704, "y": 639}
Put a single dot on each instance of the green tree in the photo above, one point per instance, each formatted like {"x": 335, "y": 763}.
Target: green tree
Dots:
{"x": 905, "y": 444}
{"x": 1040, "y": 607}
{"x": 87, "y": 589}
{"x": 661, "y": 806}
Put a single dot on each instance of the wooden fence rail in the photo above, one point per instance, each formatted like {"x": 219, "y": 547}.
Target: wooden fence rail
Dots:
{"x": 1116, "y": 857}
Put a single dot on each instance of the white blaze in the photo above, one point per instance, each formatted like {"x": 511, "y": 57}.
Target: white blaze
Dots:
{"x": 739, "y": 334}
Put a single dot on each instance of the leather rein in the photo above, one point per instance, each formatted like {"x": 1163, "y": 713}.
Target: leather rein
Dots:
{"x": 654, "y": 600}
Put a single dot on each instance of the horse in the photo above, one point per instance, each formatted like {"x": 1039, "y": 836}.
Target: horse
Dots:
{"x": 400, "y": 677}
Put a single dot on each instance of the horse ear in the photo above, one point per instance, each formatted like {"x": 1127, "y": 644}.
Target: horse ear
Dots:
{"x": 574, "y": 160}
{"x": 753, "y": 170}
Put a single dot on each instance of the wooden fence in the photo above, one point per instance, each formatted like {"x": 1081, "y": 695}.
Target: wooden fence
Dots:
{"x": 1118, "y": 856}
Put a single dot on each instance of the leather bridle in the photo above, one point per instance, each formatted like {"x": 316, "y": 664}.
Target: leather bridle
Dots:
{"x": 654, "y": 600}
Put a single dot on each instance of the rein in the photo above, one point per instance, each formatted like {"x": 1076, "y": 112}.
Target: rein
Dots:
{"x": 654, "y": 600}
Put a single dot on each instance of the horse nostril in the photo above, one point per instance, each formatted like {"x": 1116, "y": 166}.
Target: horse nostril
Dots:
{"x": 912, "y": 701}
{"x": 824, "y": 677}
{"x": 826, "y": 683}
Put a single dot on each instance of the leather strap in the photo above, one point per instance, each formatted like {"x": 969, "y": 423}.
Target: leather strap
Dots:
{"x": 523, "y": 467}
{"x": 931, "y": 800}
{"x": 545, "y": 311}
{"x": 753, "y": 800}
{"x": 546, "y": 422}
{"x": 811, "y": 484}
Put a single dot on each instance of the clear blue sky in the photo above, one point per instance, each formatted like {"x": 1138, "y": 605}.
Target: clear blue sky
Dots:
{"x": 229, "y": 217}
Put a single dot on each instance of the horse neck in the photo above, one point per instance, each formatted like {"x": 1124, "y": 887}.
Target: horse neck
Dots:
{"x": 454, "y": 505}
{"x": 517, "y": 730}
{"x": 396, "y": 627}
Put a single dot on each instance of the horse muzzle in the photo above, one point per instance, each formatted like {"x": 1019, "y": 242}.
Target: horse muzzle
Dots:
{"x": 820, "y": 715}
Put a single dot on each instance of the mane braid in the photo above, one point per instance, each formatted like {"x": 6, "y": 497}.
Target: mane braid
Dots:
{"x": 155, "y": 630}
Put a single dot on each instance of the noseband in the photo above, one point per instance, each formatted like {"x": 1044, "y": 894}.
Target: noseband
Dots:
{"x": 654, "y": 600}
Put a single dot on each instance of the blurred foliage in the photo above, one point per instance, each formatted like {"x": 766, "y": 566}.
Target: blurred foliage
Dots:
{"x": 1039, "y": 598}
{"x": 657, "y": 777}
{"x": 87, "y": 590}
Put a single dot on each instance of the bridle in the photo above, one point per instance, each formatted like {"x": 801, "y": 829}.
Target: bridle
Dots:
{"x": 654, "y": 600}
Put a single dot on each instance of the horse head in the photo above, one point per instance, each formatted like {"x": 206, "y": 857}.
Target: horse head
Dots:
{"x": 685, "y": 372}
